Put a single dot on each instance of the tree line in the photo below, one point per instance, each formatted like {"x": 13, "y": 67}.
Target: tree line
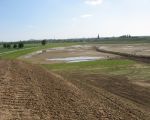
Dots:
{"x": 19, "y": 44}
{"x": 14, "y": 45}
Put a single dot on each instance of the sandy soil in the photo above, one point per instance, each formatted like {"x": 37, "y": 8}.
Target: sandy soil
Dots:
{"x": 137, "y": 49}
{"x": 65, "y": 52}
{"x": 29, "y": 92}
{"x": 85, "y": 51}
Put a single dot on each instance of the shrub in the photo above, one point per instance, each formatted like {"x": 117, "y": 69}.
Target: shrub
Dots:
{"x": 8, "y": 46}
{"x": 43, "y": 42}
{"x": 15, "y": 46}
{"x": 4, "y": 45}
{"x": 20, "y": 45}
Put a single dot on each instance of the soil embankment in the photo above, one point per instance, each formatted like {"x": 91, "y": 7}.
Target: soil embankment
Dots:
{"x": 29, "y": 92}
{"x": 142, "y": 58}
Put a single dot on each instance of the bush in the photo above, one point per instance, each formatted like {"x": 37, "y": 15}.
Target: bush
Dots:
{"x": 20, "y": 45}
{"x": 43, "y": 42}
{"x": 15, "y": 46}
{"x": 8, "y": 46}
{"x": 4, "y": 45}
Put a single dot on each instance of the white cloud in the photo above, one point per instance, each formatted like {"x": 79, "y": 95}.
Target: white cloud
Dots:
{"x": 93, "y": 2}
{"x": 86, "y": 16}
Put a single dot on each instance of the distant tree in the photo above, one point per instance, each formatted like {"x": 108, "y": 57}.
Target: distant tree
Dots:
{"x": 4, "y": 45}
{"x": 20, "y": 44}
{"x": 125, "y": 36}
{"x": 43, "y": 42}
{"x": 15, "y": 46}
{"x": 8, "y": 45}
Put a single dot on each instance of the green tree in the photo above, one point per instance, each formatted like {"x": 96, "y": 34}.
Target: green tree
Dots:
{"x": 15, "y": 46}
{"x": 4, "y": 45}
{"x": 20, "y": 45}
{"x": 43, "y": 42}
{"x": 8, "y": 45}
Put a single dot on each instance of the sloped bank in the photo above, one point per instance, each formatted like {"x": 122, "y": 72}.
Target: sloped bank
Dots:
{"x": 29, "y": 92}
{"x": 142, "y": 58}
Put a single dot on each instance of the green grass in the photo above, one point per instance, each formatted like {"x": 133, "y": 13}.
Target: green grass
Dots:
{"x": 90, "y": 65}
{"x": 114, "y": 67}
{"x": 2, "y": 50}
{"x": 32, "y": 48}
{"x": 15, "y": 53}
{"x": 119, "y": 67}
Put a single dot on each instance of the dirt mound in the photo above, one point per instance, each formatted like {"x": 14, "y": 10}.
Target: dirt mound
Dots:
{"x": 29, "y": 92}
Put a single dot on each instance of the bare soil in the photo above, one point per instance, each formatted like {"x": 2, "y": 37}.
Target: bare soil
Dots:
{"x": 29, "y": 92}
{"x": 135, "y": 49}
{"x": 65, "y": 52}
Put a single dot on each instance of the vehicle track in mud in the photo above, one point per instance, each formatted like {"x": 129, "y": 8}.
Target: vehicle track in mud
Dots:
{"x": 29, "y": 92}
{"x": 115, "y": 91}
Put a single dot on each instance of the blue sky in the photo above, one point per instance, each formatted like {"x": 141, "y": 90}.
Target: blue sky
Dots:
{"x": 42, "y": 19}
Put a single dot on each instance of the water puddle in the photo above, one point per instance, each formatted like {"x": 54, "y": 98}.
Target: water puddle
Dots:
{"x": 76, "y": 59}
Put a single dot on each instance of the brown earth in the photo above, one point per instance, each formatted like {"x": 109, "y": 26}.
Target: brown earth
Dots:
{"x": 136, "y": 49}
{"x": 72, "y": 51}
{"x": 29, "y": 92}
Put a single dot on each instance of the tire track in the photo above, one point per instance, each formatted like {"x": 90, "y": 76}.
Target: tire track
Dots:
{"x": 28, "y": 92}
{"x": 110, "y": 101}
{"x": 18, "y": 101}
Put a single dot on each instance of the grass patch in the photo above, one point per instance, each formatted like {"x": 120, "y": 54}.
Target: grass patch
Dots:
{"x": 121, "y": 67}
{"x": 2, "y": 50}
{"x": 32, "y": 48}
{"x": 90, "y": 65}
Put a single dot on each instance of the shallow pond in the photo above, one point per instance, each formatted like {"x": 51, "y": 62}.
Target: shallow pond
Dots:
{"x": 76, "y": 59}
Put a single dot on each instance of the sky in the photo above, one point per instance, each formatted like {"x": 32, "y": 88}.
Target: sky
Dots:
{"x": 63, "y": 19}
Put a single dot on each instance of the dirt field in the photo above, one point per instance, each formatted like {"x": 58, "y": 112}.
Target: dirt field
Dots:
{"x": 43, "y": 57}
{"x": 29, "y": 92}
{"x": 136, "y": 49}
{"x": 60, "y": 54}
